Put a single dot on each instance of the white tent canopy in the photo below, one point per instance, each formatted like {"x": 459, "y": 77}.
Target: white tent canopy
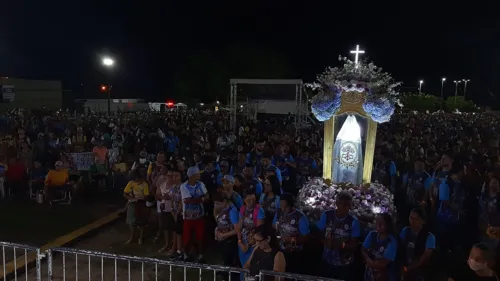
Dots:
{"x": 300, "y": 115}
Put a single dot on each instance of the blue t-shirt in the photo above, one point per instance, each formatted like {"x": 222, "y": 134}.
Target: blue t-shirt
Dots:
{"x": 303, "y": 223}
{"x": 171, "y": 143}
{"x": 430, "y": 242}
{"x": 236, "y": 200}
{"x": 343, "y": 229}
{"x": 381, "y": 249}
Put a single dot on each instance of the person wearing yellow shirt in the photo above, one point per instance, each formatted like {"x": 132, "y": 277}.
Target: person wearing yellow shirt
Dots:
{"x": 56, "y": 180}
{"x": 137, "y": 213}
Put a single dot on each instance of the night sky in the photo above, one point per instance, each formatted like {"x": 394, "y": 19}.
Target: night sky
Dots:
{"x": 151, "y": 41}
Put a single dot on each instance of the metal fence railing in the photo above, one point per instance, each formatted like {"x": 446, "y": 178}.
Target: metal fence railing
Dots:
{"x": 16, "y": 260}
{"x": 22, "y": 262}
{"x": 282, "y": 276}
{"x": 74, "y": 264}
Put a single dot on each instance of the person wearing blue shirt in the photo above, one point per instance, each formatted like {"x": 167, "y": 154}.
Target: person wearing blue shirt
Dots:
{"x": 228, "y": 190}
{"x": 340, "y": 233}
{"x": 237, "y": 168}
{"x": 251, "y": 181}
{"x": 292, "y": 230}
{"x": 270, "y": 198}
{"x": 251, "y": 216}
{"x": 306, "y": 167}
{"x": 254, "y": 156}
{"x": 170, "y": 143}
{"x": 439, "y": 176}
{"x": 418, "y": 245}
{"x": 268, "y": 167}
{"x": 452, "y": 196}
{"x": 416, "y": 185}
{"x": 379, "y": 251}
{"x": 227, "y": 218}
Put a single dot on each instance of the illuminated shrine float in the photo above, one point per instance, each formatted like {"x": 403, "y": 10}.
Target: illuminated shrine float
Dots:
{"x": 355, "y": 98}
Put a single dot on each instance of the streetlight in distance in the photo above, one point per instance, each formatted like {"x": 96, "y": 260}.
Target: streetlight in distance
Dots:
{"x": 420, "y": 86}
{"x": 456, "y": 90}
{"x": 465, "y": 86}
{"x": 442, "y": 85}
{"x": 109, "y": 63}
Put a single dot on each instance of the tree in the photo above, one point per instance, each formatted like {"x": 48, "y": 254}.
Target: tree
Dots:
{"x": 421, "y": 102}
{"x": 460, "y": 103}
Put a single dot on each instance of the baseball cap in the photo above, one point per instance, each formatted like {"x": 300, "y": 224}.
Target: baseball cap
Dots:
{"x": 229, "y": 178}
{"x": 58, "y": 164}
{"x": 192, "y": 171}
{"x": 224, "y": 163}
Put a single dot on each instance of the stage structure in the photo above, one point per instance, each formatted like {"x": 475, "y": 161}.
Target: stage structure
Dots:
{"x": 247, "y": 93}
{"x": 351, "y": 100}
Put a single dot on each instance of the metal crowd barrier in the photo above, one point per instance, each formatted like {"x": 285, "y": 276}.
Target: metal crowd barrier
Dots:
{"x": 282, "y": 276}
{"x": 22, "y": 262}
{"x": 14, "y": 255}
{"x": 74, "y": 264}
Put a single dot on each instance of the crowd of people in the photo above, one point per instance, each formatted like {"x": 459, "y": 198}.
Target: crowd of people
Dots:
{"x": 207, "y": 186}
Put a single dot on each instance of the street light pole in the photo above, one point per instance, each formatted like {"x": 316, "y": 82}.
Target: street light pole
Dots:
{"x": 420, "y": 87}
{"x": 442, "y": 88}
{"x": 465, "y": 86}
{"x": 108, "y": 62}
{"x": 456, "y": 90}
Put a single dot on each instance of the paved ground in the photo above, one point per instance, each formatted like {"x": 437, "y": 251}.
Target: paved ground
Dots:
{"x": 26, "y": 222}
{"x": 111, "y": 240}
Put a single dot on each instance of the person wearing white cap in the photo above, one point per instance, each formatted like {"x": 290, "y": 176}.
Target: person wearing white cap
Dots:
{"x": 194, "y": 194}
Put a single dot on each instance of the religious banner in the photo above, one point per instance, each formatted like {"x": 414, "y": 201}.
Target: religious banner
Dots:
{"x": 83, "y": 160}
{"x": 8, "y": 93}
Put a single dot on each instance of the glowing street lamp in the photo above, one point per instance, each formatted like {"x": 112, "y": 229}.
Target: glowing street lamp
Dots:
{"x": 108, "y": 63}
{"x": 456, "y": 90}
{"x": 420, "y": 87}
{"x": 465, "y": 86}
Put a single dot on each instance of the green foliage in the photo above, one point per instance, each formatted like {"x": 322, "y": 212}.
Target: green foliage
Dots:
{"x": 460, "y": 103}
{"x": 420, "y": 102}
{"x": 423, "y": 102}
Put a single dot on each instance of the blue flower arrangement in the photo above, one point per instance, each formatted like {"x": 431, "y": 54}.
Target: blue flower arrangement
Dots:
{"x": 377, "y": 86}
{"x": 379, "y": 109}
{"x": 325, "y": 104}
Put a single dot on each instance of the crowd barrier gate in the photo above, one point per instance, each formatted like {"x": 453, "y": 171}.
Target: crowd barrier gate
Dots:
{"x": 14, "y": 254}
{"x": 68, "y": 264}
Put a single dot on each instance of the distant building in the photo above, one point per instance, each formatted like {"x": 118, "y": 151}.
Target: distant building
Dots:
{"x": 128, "y": 105}
{"x": 30, "y": 94}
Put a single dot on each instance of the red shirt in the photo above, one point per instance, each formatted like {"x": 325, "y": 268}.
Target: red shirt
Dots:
{"x": 15, "y": 172}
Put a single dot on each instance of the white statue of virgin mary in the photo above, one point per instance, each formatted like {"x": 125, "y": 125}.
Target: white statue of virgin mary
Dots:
{"x": 348, "y": 154}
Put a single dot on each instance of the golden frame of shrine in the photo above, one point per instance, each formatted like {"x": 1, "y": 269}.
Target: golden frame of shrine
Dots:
{"x": 351, "y": 103}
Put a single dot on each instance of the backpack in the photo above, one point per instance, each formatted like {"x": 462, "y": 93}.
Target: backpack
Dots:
{"x": 255, "y": 213}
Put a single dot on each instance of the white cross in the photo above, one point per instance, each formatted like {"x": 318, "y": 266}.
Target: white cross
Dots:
{"x": 357, "y": 52}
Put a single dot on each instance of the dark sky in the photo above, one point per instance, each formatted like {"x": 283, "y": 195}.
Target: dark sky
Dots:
{"x": 63, "y": 39}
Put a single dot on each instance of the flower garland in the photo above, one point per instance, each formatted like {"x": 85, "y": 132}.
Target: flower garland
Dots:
{"x": 379, "y": 87}
{"x": 317, "y": 196}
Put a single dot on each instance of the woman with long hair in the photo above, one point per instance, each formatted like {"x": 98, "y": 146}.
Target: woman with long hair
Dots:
{"x": 251, "y": 216}
{"x": 270, "y": 198}
{"x": 380, "y": 249}
{"x": 265, "y": 256}
{"x": 137, "y": 212}
{"x": 418, "y": 244}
